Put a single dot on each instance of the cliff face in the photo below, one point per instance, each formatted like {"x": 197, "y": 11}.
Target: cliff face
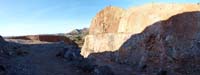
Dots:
{"x": 155, "y": 39}
{"x": 136, "y": 19}
{"x": 106, "y": 21}
{"x": 132, "y": 21}
{"x": 103, "y": 32}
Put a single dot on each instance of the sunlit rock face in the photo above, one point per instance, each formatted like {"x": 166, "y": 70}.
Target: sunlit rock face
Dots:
{"x": 135, "y": 20}
{"x": 103, "y": 32}
{"x": 106, "y": 21}
{"x": 103, "y": 42}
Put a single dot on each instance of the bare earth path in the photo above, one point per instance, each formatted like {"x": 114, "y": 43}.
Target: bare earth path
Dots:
{"x": 41, "y": 60}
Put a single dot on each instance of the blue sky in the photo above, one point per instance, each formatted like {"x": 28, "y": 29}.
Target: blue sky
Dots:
{"x": 26, "y": 17}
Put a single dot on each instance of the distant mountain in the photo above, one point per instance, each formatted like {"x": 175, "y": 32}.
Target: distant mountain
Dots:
{"x": 78, "y": 31}
{"x": 77, "y": 35}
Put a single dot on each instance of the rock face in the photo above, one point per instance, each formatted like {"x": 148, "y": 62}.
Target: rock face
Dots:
{"x": 107, "y": 20}
{"x": 1, "y": 39}
{"x": 103, "y": 42}
{"x": 133, "y": 21}
{"x": 166, "y": 45}
{"x": 136, "y": 19}
{"x": 45, "y": 38}
{"x": 156, "y": 41}
{"x": 2, "y": 43}
{"x": 102, "y": 31}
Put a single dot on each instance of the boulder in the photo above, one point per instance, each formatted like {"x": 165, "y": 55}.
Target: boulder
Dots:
{"x": 72, "y": 53}
{"x": 2, "y": 39}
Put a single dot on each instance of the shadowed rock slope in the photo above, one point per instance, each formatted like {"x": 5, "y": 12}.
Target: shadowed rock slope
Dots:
{"x": 160, "y": 48}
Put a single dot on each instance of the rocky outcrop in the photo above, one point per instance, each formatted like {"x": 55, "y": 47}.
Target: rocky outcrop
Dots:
{"x": 158, "y": 41}
{"x": 1, "y": 39}
{"x": 106, "y": 21}
{"x": 45, "y": 38}
{"x": 2, "y": 43}
{"x": 170, "y": 47}
{"x": 133, "y": 21}
{"x": 102, "y": 32}
{"x": 103, "y": 42}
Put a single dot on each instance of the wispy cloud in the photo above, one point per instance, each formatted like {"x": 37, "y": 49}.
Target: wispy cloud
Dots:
{"x": 43, "y": 11}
